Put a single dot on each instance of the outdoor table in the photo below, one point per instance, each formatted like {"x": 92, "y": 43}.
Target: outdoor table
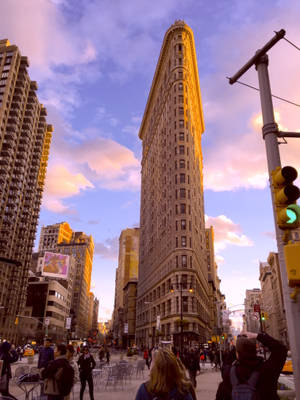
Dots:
{"x": 28, "y": 387}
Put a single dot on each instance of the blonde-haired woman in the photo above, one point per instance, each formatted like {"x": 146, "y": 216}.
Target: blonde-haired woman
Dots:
{"x": 167, "y": 379}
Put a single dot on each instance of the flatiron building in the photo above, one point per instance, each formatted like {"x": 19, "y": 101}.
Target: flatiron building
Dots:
{"x": 173, "y": 291}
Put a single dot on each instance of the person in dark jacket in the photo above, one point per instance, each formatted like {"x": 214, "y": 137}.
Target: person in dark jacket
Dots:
{"x": 86, "y": 365}
{"x": 46, "y": 354}
{"x": 52, "y": 368}
{"x": 8, "y": 356}
{"x": 247, "y": 362}
{"x": 191, "y": 361}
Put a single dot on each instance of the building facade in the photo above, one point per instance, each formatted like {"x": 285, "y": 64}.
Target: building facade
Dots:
{"x": 47, "y": 308}
{"x": 272, "y": 298}
{"x": 62, "y": 239}
{"x": 216, "y": 299}
{"x": 251, "y": 319}
{"x": 124, "y": 319}
{"x": 52, "y": 235}
{"x": 25, "y": 140}
{"x": 173, "y": 259}
{"x": 81, "y": 247}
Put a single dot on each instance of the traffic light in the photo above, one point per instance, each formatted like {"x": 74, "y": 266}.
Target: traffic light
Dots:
{"x": 262, "y": 316}
{"x": 292, "y": 262}
{"x": 285, "y": 196}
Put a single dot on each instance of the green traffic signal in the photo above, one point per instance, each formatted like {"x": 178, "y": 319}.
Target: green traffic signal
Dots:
{"x": 293, "y": 213}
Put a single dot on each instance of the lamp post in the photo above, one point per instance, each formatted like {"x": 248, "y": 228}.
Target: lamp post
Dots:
{"x": 181, "y": 285}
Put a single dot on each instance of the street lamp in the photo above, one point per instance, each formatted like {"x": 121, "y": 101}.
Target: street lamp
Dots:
{"x": 181, "y": 285}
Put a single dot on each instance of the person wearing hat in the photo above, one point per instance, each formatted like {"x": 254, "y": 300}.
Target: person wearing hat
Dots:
{"x": 248, "y": 362}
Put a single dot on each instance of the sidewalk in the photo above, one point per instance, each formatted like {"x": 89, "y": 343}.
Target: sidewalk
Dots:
{"x": 207, "y": 384}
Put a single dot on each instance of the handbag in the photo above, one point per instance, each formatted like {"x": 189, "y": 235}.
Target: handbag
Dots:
{"x": 50, "y": 387}
{"x": 3, "y": 383}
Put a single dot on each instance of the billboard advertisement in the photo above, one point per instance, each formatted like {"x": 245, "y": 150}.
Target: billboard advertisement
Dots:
{"x": 55, "y": 265}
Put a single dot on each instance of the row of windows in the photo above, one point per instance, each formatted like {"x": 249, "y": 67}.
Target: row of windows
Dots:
{"x": 183, "y": 241}
{"x": 56, "y": 294}
{"x": 181, "y": 150}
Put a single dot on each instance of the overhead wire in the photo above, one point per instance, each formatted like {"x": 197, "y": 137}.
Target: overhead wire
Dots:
{"x": 291, "y": 43}
{"x": 273, "y": 95}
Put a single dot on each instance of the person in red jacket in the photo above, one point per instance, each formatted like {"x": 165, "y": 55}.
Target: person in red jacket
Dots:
{"x": 146, "y": 358}
{"x": 248, "y": 362}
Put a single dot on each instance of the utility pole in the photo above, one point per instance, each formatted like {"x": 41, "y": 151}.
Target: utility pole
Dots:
{"x": 270, "y": 135}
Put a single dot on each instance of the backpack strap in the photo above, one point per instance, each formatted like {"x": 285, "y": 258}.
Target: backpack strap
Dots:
{"x": 233, "y": 377}
{"x": 252, "y": 381}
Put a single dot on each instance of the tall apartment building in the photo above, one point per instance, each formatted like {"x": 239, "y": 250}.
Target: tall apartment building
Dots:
{"x": 124, "y": 314}
{"x": 61, "y": 239}
{"x": 172, "y": 241}
{"x": 253, "y": 296}
{"x": 25, "y": 140}
{"x": 272, "y": 298}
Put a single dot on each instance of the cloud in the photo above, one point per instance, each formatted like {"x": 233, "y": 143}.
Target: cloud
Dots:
{"x": 61, "y": 184}
{"x": 93, "y": 222}
{"x": 226, "y": 233}
{"x": 108, "y": 249}
{"x": 232, "y": 113}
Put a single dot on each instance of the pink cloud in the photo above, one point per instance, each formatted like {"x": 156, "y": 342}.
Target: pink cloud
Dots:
{"x": 226, "y": 233}
{"x": 62, "y": 184}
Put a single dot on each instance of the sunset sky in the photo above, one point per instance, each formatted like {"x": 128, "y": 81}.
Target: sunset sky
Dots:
{"x": 94, "y": 61}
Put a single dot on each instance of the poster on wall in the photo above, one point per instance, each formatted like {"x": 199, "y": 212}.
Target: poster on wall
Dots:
{"x": 55, "y": 265}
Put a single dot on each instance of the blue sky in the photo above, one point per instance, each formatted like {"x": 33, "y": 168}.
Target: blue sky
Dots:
{"x": 94, "y": 62}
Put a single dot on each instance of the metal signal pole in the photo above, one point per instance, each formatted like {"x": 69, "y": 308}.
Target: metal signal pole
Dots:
{"x": 270, "y": 135}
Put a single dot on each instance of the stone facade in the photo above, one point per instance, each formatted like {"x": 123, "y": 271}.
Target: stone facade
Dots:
{"x": 125, "y": 289}
{"x": 25, "y": 140}
{"x": 272, "y": 299}
{"x": 173, "y": 262}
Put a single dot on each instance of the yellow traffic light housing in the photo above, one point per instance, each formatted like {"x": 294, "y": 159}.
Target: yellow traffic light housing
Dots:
{"x": 285, "y": 196}
{"x": 292, "y": 262}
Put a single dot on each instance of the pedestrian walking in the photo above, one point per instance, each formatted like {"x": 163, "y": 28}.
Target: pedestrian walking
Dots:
{"x": 107, "y": 353}
{"x": 167, "y": 380}
{"x": 146, "y": 358}
{"x": 46, "y": 354}
{"x": 250, "y": 374}
{"x": 7, "y": 357}
{"x": 58, "y": 375}
{"x": 70, "y": 357}
{"x": 101, "y": 353}
{"x": 86, "y": 365}
{"x": 192, "y": 364}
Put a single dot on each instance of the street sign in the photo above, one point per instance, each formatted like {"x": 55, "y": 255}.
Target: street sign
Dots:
{"x": 47, "y": 321}
{"x": 158, "y": 322}
{"x": 256, "y": 308}
{"x": 68, "y": 322}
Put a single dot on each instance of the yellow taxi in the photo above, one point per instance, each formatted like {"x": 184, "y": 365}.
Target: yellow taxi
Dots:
{"x": 288, "y": 366}
{"x": 28, "y": 351}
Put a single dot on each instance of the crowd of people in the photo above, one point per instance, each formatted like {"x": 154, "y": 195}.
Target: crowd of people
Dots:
{"x": 245, "y": 375}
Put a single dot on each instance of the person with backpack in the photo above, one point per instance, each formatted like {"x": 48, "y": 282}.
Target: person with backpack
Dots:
{"x": 58, "y": 375}
{"x": 250, "y": 377}
{"x": 167, "y": 380}
{"x": 86, "y": 365}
